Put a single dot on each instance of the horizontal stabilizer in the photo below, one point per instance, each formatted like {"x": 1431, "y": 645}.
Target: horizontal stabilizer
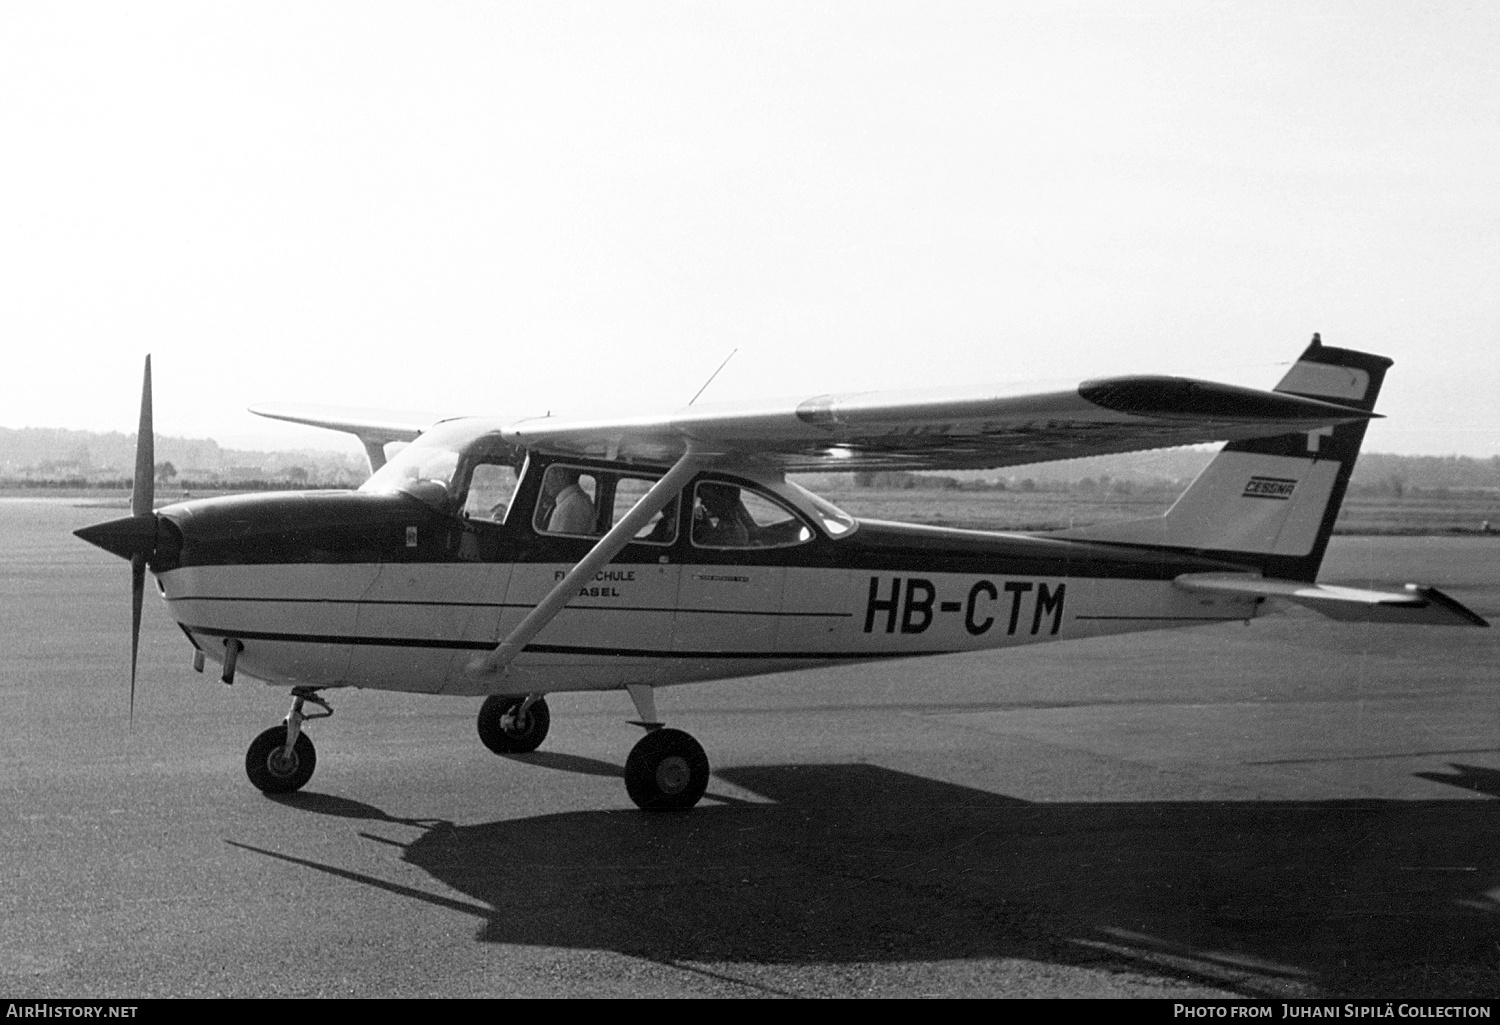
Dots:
{"x": 1415, "y": 604}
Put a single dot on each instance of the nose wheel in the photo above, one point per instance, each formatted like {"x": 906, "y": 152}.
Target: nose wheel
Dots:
{"x": 281, "y": 760}
{"x": 274, "y": 769}
{"x": 510, "y": 724}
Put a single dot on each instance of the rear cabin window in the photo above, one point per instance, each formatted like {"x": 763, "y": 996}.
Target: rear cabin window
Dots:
{"x": 729, "y": 516}
{"x": 580, "y": 502}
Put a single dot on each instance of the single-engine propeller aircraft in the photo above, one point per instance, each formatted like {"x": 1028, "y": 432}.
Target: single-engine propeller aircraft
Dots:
{"x": 512, "y": 558}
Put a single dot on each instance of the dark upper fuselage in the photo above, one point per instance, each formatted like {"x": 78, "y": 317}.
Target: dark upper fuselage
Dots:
{"x": 340, "y": 527}
{"x": 397, "y": 589}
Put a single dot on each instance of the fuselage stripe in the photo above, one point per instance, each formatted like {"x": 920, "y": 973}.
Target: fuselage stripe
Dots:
{"x": 550, "y": 649}
{"x": 519, "y": 605}
{"x": 1171, "y": 619}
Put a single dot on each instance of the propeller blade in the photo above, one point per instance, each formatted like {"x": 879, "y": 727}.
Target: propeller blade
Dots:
{"x": 142, "y": 503}
{"x": 135, "y": 537}
{"x": 143, "y": 497}
{"x": 137, "y": 594}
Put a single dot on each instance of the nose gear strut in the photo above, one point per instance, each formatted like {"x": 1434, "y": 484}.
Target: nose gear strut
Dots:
{"x": 294, "y": 719}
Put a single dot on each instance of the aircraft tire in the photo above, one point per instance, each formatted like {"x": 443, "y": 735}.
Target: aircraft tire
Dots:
{"x": 666, "y": 771}
{"x": 513, "y": 738}
{"x": 271, "y": 774}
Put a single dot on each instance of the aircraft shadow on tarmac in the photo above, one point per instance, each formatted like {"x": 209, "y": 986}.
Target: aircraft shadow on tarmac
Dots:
{"x": 857, "y": 863}
{"x": 1469, "y": 777}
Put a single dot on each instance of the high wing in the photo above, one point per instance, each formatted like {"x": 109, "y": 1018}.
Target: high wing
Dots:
{"x": 374, "y": 427}
{"x": 947, "y": 429}
{"x": 964, "y": 428}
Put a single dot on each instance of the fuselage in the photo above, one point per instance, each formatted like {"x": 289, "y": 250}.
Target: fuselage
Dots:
{"x": 396, "y": 590}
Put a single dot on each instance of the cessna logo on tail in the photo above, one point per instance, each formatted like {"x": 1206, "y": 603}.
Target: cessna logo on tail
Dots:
{"x": 1270, "y": 487}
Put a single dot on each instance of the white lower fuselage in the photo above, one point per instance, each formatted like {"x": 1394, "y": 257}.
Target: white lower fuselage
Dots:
{"x": 415, "y": 626}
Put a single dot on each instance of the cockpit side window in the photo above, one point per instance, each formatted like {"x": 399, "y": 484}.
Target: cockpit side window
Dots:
{"x": 578, "y": 502}
{"x": 566, "y": 503}
{"x": 491, "y": 489}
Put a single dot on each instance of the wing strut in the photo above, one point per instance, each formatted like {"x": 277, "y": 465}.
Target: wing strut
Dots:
{"x": 620, "y": 535}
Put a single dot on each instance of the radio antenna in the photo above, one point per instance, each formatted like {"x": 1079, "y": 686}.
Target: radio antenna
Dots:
{"x": 713, "y": 375}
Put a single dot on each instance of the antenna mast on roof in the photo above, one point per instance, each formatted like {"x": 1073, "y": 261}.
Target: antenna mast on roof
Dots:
{"x": 713, "y": 375}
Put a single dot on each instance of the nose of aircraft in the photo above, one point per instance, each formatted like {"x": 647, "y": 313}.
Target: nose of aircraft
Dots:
{"x": 126, "y": 537}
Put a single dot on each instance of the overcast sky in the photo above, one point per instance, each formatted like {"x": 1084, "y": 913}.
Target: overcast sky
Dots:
{"x": 516, "y": 207}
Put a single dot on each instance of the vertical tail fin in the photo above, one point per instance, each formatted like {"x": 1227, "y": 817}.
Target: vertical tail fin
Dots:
{"x": 1272, "y": 502}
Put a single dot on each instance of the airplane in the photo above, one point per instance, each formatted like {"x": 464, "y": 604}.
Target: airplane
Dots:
{"x": 511, "y": 558}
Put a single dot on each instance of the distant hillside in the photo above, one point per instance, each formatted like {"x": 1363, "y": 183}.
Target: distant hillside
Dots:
{"x": 1379, "y": 471}
{"x": 1175, "y": 468}
{"x": 43, "y": 453}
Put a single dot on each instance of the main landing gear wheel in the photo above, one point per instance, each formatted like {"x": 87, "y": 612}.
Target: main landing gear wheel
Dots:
{"x": 666, "y": 771}
{"x": 272, "y": 769}
{"x": 508, "y": 726}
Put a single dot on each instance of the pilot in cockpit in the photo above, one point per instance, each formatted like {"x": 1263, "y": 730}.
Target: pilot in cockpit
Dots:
{"x": 564, "y": 507}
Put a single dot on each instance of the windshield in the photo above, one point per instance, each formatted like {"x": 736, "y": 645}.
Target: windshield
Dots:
{"x": 428, "y": 467}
